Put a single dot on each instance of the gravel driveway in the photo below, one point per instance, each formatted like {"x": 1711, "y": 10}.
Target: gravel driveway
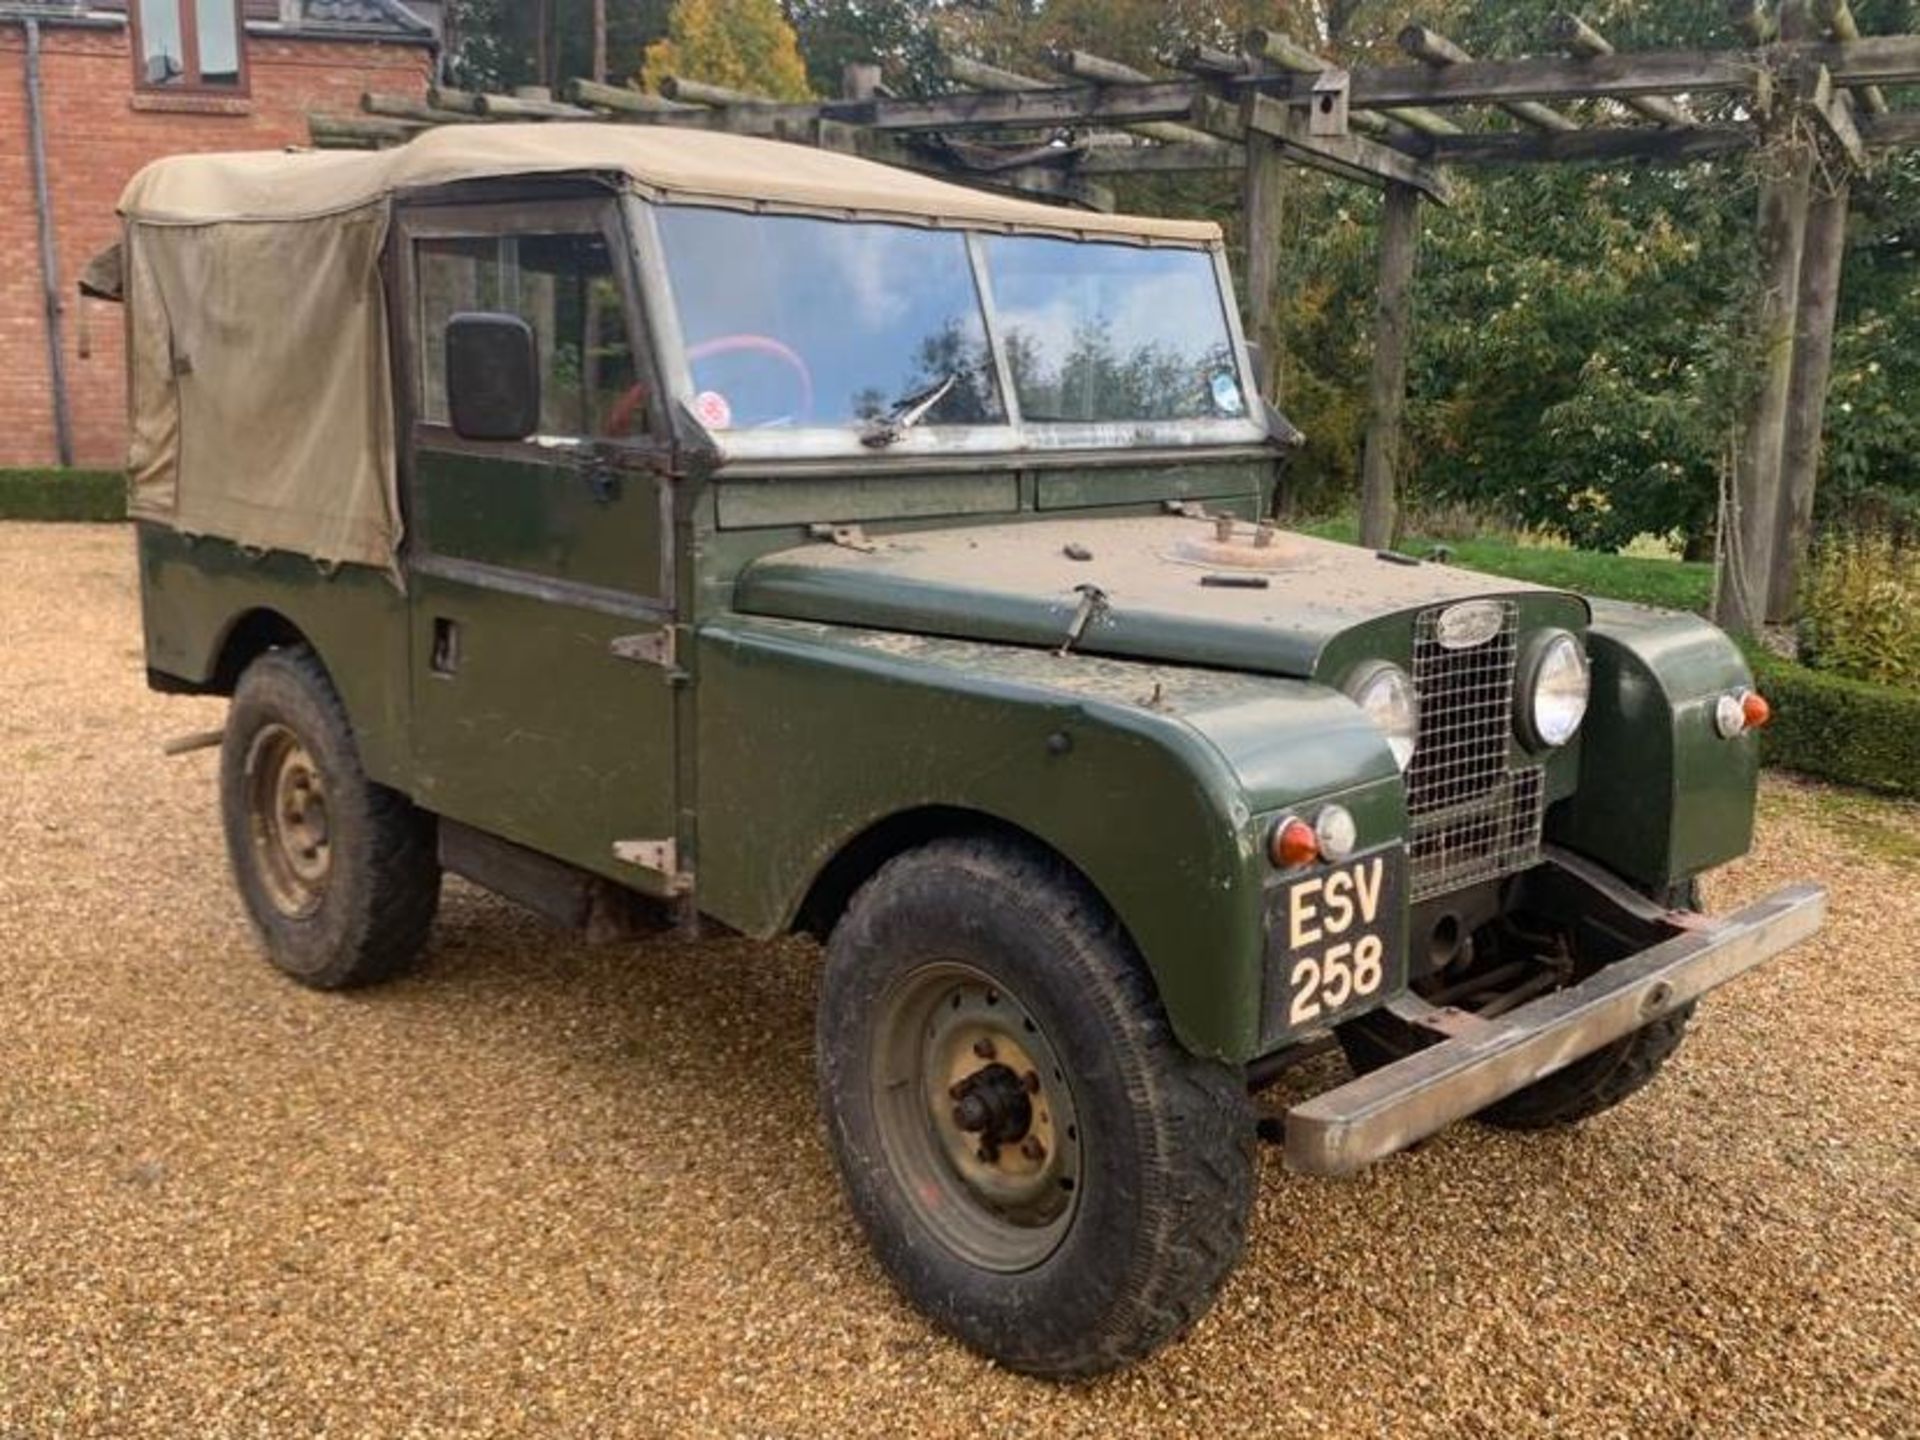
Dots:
{"x": 544, "y": 1188}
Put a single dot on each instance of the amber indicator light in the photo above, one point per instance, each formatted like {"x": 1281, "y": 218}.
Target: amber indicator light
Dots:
{"x": 1293, "y": 843}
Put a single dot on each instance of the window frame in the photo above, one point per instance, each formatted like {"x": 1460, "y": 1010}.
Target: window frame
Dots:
{"x": 191, "y": 82}
{"x": 1014, "y": 433}
{"x": 583, "y": 215}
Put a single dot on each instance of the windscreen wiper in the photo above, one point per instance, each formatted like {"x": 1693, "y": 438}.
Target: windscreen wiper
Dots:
{"x": 907, "y": 412}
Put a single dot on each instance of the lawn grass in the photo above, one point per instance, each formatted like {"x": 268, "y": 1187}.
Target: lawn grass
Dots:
{"x": 1670, "y": 584}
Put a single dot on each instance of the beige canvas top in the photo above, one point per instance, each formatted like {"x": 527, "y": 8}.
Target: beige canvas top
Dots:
{"x": 262, "y": 406}
{"x": 669, "y": 163}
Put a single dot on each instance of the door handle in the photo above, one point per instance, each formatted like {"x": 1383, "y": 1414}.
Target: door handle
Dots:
{"x": 445, "y": 657}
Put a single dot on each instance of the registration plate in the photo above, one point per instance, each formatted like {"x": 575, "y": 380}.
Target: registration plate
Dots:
{"x": 1334, "y": 942}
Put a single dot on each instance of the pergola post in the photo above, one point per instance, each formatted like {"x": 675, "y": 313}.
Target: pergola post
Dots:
{"x": 1750, "y": 521}
{"x": 1820, "y": 265}
{"x": 1387, "y": 389}
{"x": 1264, "y": 183}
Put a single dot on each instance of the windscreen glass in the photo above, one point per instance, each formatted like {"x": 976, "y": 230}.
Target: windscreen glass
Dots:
{"x": 1106, "y": 332}
{"x": 795, "y": 322}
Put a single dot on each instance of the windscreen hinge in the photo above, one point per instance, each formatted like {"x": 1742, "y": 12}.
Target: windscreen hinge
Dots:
{"x": 650, "y": 647}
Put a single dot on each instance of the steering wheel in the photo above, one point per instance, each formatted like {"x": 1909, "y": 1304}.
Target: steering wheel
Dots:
{"x": 760, "y": 345}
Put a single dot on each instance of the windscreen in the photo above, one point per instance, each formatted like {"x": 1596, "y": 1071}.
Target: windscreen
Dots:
{"x": 1103, "y": 332}
{"x": 791, "y": 321}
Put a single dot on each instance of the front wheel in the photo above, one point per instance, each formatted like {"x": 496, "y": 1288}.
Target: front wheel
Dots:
{"x": 1037, "y": 1162}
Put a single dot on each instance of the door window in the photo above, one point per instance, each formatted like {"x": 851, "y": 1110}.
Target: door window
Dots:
{"x": 566, "y": 288}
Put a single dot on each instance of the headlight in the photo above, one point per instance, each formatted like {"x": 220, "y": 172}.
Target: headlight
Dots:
{"x": 1386, "y": 694}
{"x": 1553, "y": 702}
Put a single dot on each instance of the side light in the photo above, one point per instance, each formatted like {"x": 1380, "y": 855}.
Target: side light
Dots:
{"x": 1293, "y": 844}
{"x": 1333, "y": 827}
{"x": 1739, "y": 711}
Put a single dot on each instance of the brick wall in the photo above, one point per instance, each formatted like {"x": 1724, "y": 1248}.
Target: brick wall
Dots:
{"x": 99, "y": 132}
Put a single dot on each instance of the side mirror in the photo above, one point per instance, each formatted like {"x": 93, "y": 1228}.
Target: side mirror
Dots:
{"x": 493, "y": 377}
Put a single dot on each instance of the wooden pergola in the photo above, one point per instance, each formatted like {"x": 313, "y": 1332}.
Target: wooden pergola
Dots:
{"x": 1801, "y": 94}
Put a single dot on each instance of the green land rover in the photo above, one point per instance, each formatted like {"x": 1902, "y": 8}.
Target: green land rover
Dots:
{"x": 662, "y": 526}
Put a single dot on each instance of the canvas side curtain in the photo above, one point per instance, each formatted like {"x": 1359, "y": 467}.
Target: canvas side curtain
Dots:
{"x": 262, "y": 400}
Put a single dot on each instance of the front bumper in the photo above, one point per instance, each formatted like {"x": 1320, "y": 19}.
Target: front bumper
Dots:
{"x": 1339, "y": 1131}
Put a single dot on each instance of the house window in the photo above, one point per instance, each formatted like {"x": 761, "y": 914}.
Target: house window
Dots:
{"x": 189, "y": 45}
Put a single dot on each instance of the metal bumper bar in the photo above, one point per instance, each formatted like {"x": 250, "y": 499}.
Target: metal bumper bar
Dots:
{"x": 1341, "y": 1130}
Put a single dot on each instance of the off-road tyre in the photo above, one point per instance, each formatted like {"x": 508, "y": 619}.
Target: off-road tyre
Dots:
{"x": 368, "y": 917}
{"x": 1166, "y": 1160}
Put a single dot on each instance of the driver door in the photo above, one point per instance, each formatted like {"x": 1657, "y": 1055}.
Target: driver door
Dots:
{"x": 540, "y": 570}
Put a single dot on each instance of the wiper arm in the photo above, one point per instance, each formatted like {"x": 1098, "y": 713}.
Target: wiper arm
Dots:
{"x": 907, "y": 412}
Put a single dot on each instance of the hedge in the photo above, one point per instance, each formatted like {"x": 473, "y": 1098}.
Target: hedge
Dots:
{"x": 63, "y": 495}
{"x": 1839, "y": 729}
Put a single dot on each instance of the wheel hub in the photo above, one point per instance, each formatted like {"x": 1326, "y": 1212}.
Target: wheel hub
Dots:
{"x": 977, "y": 1117}
{"x": 992, "y": 1103}
{"x": 288, "y": 821}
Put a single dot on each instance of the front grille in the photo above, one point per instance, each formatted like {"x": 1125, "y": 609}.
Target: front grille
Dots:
{"x": 1471, "y": 817}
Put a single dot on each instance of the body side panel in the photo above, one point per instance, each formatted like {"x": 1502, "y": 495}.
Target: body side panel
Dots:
{"x": 195, "y": 591}
{"x": 1154, "y": 781}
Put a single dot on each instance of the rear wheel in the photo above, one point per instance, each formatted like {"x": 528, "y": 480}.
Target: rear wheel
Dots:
{"x": 1038, "y": 1163}
{"x": 338, "y": 874}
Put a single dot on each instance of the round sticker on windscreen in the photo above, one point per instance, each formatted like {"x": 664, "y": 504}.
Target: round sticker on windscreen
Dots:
{"x": 713, "y": 410}
{"x": 1226, "y": 392}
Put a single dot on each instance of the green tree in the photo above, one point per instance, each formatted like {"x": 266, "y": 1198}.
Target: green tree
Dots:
{"x": 742, "y": 44}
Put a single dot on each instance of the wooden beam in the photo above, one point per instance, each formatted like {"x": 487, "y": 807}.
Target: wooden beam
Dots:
{"x": 1263, "y": 203}
{"x": 699, "y": 92}
{"x": 1888, "y": 59}
{"x": 445, "y": 97}
{"x": 1277, "y": 48}
{"x": 1583, "y": 42}
{"x": 1892, "y": 131}
{"x": 622, "y": 98}
{"x": 1353, "y": 157}
{"x": 1061, "y": 105}
{"x": 1205, "y": 60}
{"x": 1664, "y": 146}
{"x": 405, "y": 107}
{"x": 1837, "y": 16}
{"x": 1432, "y": 48}
{"x": 1387, "y": 384}
{"x": 1081, "y": 65}
{"x": 358, "y": 132}
{"x": 1833, "y": 110}
{"x": 1215, "y": 154}
{"x": 1750, "y": 521}
{"x": 1821, "y": 259}
{"x": 520, "y": 107}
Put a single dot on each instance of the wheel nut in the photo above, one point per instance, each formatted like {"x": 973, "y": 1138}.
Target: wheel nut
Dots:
{"x": 1033, "y": 1149}
{"x": 988, "y": 1154}
{"x": 1032, "y": 1081}
{"x": 983, "y": 1047}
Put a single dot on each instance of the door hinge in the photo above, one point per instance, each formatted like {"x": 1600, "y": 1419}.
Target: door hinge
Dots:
{"x": 660, "y": 856}
{"x": 847, "y": 537}
{"x": 651, "y": 647}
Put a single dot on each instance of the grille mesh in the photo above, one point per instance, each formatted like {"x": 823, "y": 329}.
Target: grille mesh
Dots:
{"x": 1471, "y": 817}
